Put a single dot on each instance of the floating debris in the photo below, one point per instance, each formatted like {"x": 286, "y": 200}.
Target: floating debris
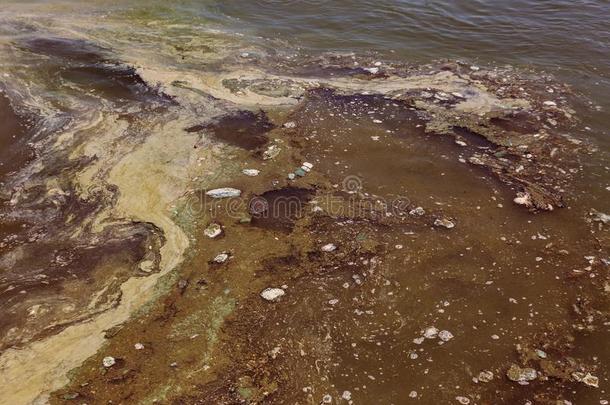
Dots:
{"x": 599, "y": 216}
{"x": 213, "y": 230}
{"x": 251, "y": 172}
{"x": 146, "y": 266}
{"x": 272, "y": 294}
{"x": 521, "y": 375}
{"x": 225, "y": 192}
{"x": 587, "y": 379}
{"x": 523, "y": 199}
{"x": 419, "y": 211}
{"x": 221, "y": 258}
{"x": 272, "y": 151}
{"x": 443, "y": 222}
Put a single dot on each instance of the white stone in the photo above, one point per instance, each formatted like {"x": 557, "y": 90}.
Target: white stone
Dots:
{"x": 329, "y": 247}
{"x": 550, "y": 103}
{"x": 221, "y": 258}
{"x": 108, "y": 361}
{"x": 251, "y": 172}
{"x": 290, "y": 124}
{"x": 523, "y": 199}
{"x": 430, "y": 332}
{"x": 445, "y": 335}
{"x": 272, "y": 294}
{"x": 417, "y": 211}
{"x": 463, "y": 400}
{"x": 346, "y": 395}
{"x": 224, "y": 192}
{"x": 138, "y": 346}
{"x": 444, "y": 223}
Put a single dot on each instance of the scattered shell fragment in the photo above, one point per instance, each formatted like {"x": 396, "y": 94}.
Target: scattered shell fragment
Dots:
{"x": 462, "y": 400}
{"x": 138, "y": 346}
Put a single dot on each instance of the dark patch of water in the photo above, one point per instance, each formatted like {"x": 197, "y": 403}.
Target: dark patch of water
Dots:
{"x": 244, "y": 129}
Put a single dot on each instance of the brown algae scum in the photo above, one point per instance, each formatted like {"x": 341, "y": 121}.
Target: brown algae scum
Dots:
{"x": 199, "y": 224}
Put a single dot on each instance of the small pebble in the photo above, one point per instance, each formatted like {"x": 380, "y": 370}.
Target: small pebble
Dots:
{"x": 108, "y": 361}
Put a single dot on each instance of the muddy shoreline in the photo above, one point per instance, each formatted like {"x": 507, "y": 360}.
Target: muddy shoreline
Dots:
{"x": 365, "y": 212}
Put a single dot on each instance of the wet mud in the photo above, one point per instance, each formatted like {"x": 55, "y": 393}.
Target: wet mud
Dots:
{"x": 386, "y": 234}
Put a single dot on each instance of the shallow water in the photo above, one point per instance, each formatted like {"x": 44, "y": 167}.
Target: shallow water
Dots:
{"x": 117, "y": 118}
